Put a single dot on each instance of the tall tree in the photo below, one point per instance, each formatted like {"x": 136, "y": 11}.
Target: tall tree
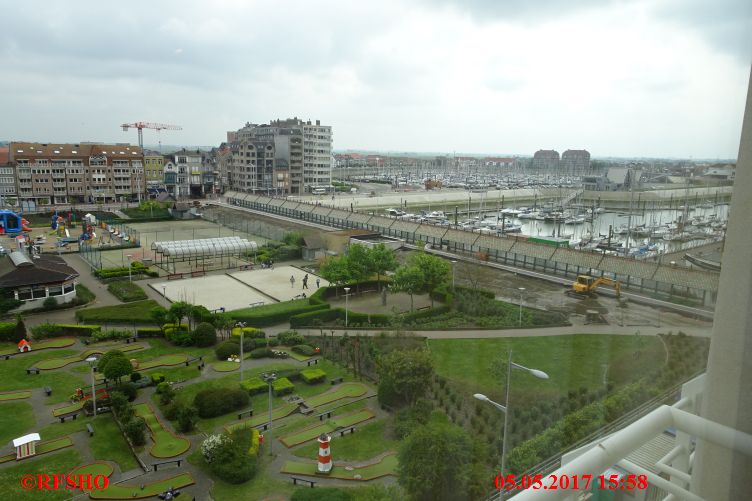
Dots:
{"x": 179, "y": 310}
{"x": 434, "y": 270}
{"x": 359, "y": 264}
{"x": 118, "y": 367}
{"x": 408, "y": 279}
{"x": 382, "y": 260}
{"x": 404, "y": 375}
{"x": 335, "y": 270}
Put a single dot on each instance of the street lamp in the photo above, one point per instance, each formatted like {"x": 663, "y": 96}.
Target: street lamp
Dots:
{"x": 129, "y": 256}
{"x": 522, "y": 290}
{"x": 92, "y": 361}
{"x": 505, "y": 408}
{"x": 241, "y": 325}
{"x": 270, "y": 377}
{"x": 347, "y": 295}
{"x": 164, "y": 292}
{"x": 454, "y": 262}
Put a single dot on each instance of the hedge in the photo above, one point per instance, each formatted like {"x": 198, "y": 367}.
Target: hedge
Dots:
{"x": 127, "y": 291}
{"x": 249, "y": 333}
{"x": 261, "y": 352}
{"x": 273, "y": 314}
{"x": 312, "y": 376}
{"x": 290, "y": 338}
{"x": 427, "y": 313}
{"x": 255, "y": 442}
{"x": 213, "y": 402}
{"x": 43, "y": 331}
{"x": 137, "y": 268}
{"x": 136, "y": 312}
{"x": 304, "y": 349}
{"x": 8, "y": 331}
{"x": 353, "y": 317}
{"x": 323, "y": 293}
{"x": 254, "y": 385}
{"x": 149, "y": 332}
{"x": 282, "y": 386}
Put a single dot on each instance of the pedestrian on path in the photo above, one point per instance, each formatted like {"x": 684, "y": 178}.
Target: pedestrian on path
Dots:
{"x": 305, "y": 281}
{"x": 292, "y": 281}
{"x": 318, "y": 282}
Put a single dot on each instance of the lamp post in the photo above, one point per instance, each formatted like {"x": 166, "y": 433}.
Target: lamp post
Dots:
{"x": 92, "y": 361}
{"x": 129, "y": 256}
{"x": 241, "y": 325}
{"x": 270, "y": 377}
{"x": 347, "y": 295}
{"x": 164, "y": 292}
{"x": 505, "y": 408}
{"x": 454, "y": 262}
{"x": 522, "y": 290}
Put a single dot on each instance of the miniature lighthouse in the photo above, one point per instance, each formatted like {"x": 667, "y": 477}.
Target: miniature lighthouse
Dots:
{"x": 325, "y": 455}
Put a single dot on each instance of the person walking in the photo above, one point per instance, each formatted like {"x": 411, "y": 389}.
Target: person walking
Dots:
{"x": 305, "y": 281}
{"x": 318, "y": 282}
{"x": 292, "y": 281}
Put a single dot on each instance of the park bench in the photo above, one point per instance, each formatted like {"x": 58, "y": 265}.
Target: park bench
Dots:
{"x": 336, "y": 380}
{"x": 249, "y": 412}
{"x": 170, "y": 461}
{"x": 130, "y": 339}
{"x": 48, "y": 390}
{"x": 72, "y": 415}
{"x": 32, "y": 370}
{"x": 199, "y": 273}
{"x": 195, "y": 359}
{"x": 315, "y": 361}
{"x": 325, "y": 415}
{"x": 174, "y": 276}
{"x": 346, "y": 430}
{"x": 304, "y": 409}
{"x": 90, "y": 429}
{"x": 263, "y": 427}
{"x": 295, "y": 481}
{"x": 257, "y": 303}
{"x": 7, "y": 357}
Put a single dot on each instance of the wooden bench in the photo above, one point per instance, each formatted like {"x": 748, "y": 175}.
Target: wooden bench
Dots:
{"x": 241, "y": 414}
{"x": 178, "y": 461}
{"x": 263, "y": 427}
{"x": 336, "y": 380}
{"x": 90, "y": 429}
{"x": 131, "y": 339}
{"x": 326, "y": 415}
{"x": 295, "y": 481}
{"x": 315, "y": 361}
{"x": 174, "y": 276}
{"x": 48, "y": 390}
{"x": 32, "y": 370}
{"x": 72, "y": 415}
{"x": 346, "y": 430}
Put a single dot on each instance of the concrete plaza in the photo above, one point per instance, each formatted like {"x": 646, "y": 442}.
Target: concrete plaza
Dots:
{"x": 276, "y": 282}
{"x": 212, "y": 291}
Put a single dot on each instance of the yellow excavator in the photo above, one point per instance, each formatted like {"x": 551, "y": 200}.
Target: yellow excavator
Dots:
{"x": 585, "y": 286}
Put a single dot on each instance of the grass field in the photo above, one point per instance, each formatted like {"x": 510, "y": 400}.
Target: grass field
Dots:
{"x": 14, "y": 395}
{"x": 58, "y": 463}
{"x": 16, "y": 419}
{"x": 60, "y": 342}
{"x": 386, "y": 466}
{"x": 570, "y": 361}
{"x": 343, "y": 390}
{"x": 124, "y": 491}
{"x": 295, "y": 355}
{"x": 127, "y": 291}
{"x": 93, "y": 469}
{"x": 56, "y": 363}
{"x": 136, "y": 312}
{"x": 13, "y": 376}
{"x": 225, "y": 366}
{"x": 166, "y": 445}
{"x": 328, "y": 426}
{"x": 368, "y": 441}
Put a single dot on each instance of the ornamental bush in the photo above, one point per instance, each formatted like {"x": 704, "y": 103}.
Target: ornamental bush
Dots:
{"x": 228, "y": 456}
{"x": 248, "y": 333}
{"x": 213, "y": 402}
{"x": 43, "y": 331}
{"x": 261, "y": 352}
{"x": 205, "y": 335}
{"x": 304, "y": 349}
{"x": 8, "y": 332}
{"x": 312, "y": 376}
{"x": 211, "y": 445}
{"x": 135, "y": 430}
{"x": 254, "y": 385}
{"x": 157, "y": 377}
{"x": 255, "y": 442}
{"x": 282, "y": 386}
{"x": 227, "y": 348}
{"x": 290, "y": 338}
{"x": 128, "y": 389}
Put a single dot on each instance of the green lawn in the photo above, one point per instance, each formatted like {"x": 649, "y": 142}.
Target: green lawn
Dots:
{"x": 367, "y": 441}
{"x": 59, "y": 411}
{"x": 54, "y": 444}
{"x": 56, "y": 363}
{"x": 270, "y": 309}
{"x": 386, "y": 466}
{"x": 166, "y": 444}
{"x": 14, "y": 395}
{"x": 163, "y": 360}
{"x": 136, "y": 312}
{"x": 328, "y": 426}
{"x": 127, "y": 291}
{"x": 295, "y": 355}
{"x": 225, "y": 366}
{"x": 570, "y": 361}
{"x": 159, "y": 347}
{"x": 93, "y": 469}
{"x": 109, "y": 444}
{"x": 343, "y": 390}
{"x": 54, "y": 463}
{"x": 60, "y": 342}
{"x": 13, "y": 376}
{"x": 16, "y": 419}
{"x": 134, "y": 491}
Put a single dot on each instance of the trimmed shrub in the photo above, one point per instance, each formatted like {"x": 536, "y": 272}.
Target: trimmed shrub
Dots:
{"x": 255, "y": 442}
{"x": 311, "y": 318}
{"x": 137, "y": 268}
{"x": 213, "y": 402}
{"x": 254, "y": 385}
{"x": 431, "y": 312}
{"x": 178, "y": 334}
{"x": 187, "y": 417}
{"x": 128, "y": 389}
{"x": 312, "y": 376}
{"x": 149, "y": 332}
{"x": 110, "y": 334}
{"x": 8, "y": 332}
{"x": 227, "y": 348}
{"x": 135, "y": 429}
{"x": 290, "y": 338}
{"x": 50, "y": 303}
{"x": 273, "y": 314}
{"x": 135, "y": 376}
{"x": 273, "y": 342}
{"x": 261, "y": 352}
{"x": 157, "y": 377}
{"x": 282, "y": 386}
{"x": 205, "y": 335}
{"x": 44, "y": 331}
{"x": 248, "y": 333}
{"x": 304, "y": 349}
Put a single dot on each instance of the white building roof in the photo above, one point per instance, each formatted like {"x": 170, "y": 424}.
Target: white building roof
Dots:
{"x": 31, "y": 437}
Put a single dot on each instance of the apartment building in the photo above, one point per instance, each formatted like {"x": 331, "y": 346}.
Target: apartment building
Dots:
{"x": 575, "y": 162}
{"x": 78, "y": 173}
{"x": 8, "y": 189}
{"x": 154, "y": 170}
{"x": 251, "y": 167}
{"x": 546, "y": 160}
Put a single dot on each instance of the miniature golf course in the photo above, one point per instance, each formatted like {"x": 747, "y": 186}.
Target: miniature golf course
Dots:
{"x": 163, "y": 360}
{"x": 328, "y": 426}
{"x": 166, "y": 445}
{"x": 61, "y": 342}
{"x": 225, "y": 366}
{"x": 93, "y": 469}
{"x": 56, "y": 363}
{"x": 14, "y": 395}
{"x": 387, "y": 465}
{"x": 124, "y": 491}
{"x": 43, "y": 448}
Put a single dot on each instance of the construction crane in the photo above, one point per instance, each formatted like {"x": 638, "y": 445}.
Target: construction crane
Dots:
{"x": 149, "y": 125}
{"x": 585, "y": 286}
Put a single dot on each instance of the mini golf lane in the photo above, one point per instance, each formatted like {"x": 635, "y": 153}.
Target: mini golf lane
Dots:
{"x": 344, "y": 390}
{"x": 57, "y": 363}
{"x": 387, "y": 465}
{"x": 43, "y": 448}
{"x": 14, "y": 395}
{"x": 60, "y": 342}
{"x": 329, "y": 426}
{"x": 126, "y": 491}
{"x": 166, "y": 444}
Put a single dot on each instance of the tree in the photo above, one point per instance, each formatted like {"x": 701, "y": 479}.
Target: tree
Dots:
{"x": 135, "y": 429}
{"x": 117, "y": 367}
{"x": 197, "y": 314}
{"x": 435, "y": 271}
{"x": 359, "y": 264}
{"x": 20, "y": 330}
{"x": 105, "y": 359}
{"x": 382, "y": 260}
{"x": 187, "y": 417}
{"x": 205, "y": 335}
{"x": 408, "y": 279}
{"x": 8, "y": 301}
{"x": 159, "y": 315}
{"x": 179, "y": 310}
{"x": 224, "y": 323}
{"x": 405, "y": 375}
{"x": 335, "y": 270}
{"x": 424, "y": 469}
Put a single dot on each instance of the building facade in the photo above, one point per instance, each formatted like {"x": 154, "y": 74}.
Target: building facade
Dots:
{"x": 154, "y": 170}
{"x": 78, "y": 173}
{"x": 575, "y": 162}
{"x": 8, "y": 190}
{"x": 546, "y": 160}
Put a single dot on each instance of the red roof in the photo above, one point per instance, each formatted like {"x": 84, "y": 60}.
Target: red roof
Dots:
{"x": 4, "y": 155}
{"x": 23, "y": 342}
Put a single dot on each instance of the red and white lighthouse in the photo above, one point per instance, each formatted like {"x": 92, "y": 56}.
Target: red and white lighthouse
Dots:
{"x": 325, "y": 455}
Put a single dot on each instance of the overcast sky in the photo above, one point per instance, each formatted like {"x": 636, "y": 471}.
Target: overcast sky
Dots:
{"x": 664, "y": 78}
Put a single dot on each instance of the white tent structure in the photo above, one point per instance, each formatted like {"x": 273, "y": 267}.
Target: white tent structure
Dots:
{"x": 202, "y": 251}
{"x": 26, "y": 445}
